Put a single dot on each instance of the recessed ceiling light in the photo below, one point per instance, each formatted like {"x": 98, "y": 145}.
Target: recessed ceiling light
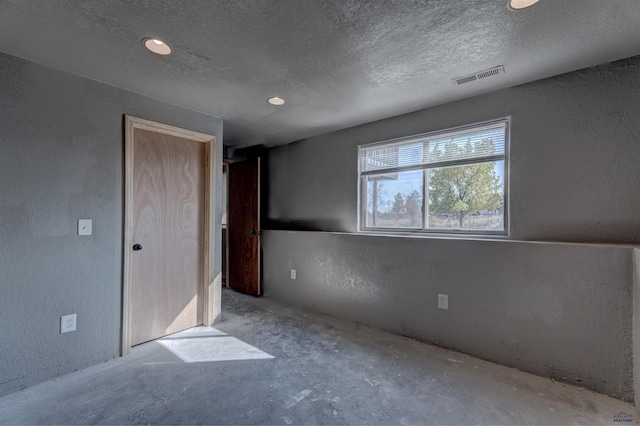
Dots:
{"x": 157, "y": 46}
{"x": 275, "y": 100}
{"x": 521, "y": 4}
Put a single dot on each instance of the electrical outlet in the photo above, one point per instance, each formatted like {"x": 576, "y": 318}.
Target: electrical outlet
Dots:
{"x": 293, "y": 274}
{"x": 84, "y": 226}
{"x": 443, "y": 301}
{"x": 67, "y": 323}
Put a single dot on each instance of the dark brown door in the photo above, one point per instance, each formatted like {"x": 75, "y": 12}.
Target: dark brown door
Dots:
{"x": 243, "y": 226}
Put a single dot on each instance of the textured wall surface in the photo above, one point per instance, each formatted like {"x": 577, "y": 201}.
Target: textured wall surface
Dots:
{"x": 61, "y": 159}
{"x": 553, "y": 309}
{"x": 636, "y": 322}
{"x": 573, "y": 159}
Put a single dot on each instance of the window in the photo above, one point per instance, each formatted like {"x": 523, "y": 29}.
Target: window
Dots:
{"x": 451, "y": 181}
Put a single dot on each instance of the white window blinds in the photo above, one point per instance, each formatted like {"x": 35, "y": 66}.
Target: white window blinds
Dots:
{"x": 472, "y": 144}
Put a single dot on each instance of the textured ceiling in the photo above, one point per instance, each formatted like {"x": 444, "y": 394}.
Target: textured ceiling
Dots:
{"x": 338, "y": 63}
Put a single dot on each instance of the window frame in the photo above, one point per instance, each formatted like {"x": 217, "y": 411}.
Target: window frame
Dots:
{"x": 362, "y": 184}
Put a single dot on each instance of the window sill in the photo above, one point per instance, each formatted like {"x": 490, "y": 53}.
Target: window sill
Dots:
{"x": 436, "y": 235}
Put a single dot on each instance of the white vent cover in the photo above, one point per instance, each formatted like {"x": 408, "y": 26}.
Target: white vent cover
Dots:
{"x": 479, "y": 75}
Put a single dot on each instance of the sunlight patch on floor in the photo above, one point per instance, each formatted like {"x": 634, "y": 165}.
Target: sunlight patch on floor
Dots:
{"x": 206, "y": 344}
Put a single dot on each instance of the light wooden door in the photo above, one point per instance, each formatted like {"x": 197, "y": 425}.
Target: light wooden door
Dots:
{"x": 244, "y": 226}
{"x": 168, "y": 234}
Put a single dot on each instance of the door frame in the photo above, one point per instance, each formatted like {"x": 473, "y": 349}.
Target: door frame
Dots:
{"x": 226, "y": 163}
{"x": 211, "y": 293}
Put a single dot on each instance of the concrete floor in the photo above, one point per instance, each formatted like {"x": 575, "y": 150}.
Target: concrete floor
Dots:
{"x": 324, "y": 371}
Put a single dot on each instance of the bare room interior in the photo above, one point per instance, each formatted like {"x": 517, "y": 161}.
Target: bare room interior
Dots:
{"x": 319, "y": 212}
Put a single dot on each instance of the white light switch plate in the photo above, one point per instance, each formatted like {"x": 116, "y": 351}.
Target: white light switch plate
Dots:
{"x": 443, "y": 301}
{"x": 293, "y": 274}
{"x": 84, "y": 226}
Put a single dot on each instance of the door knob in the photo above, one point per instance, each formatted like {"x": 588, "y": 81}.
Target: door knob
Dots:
{"x": 254, "y": 233}
{"x": 137, "y": 247}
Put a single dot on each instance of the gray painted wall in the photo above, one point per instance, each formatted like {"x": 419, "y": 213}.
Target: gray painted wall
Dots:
{"x": 555, "y": 310}
{"x": 574, "y": 156}
{"x": 636, "y": 322}
{"x": 61, "y": 159}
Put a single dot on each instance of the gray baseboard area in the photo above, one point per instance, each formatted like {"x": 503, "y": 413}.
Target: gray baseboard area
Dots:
{"x": 558, "y": 310}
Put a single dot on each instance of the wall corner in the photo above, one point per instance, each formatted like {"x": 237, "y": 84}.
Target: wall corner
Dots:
{"x": 636, "y": 324}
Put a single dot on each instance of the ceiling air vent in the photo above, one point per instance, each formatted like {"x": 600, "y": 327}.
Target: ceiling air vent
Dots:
{"x": 479, "y": 75}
